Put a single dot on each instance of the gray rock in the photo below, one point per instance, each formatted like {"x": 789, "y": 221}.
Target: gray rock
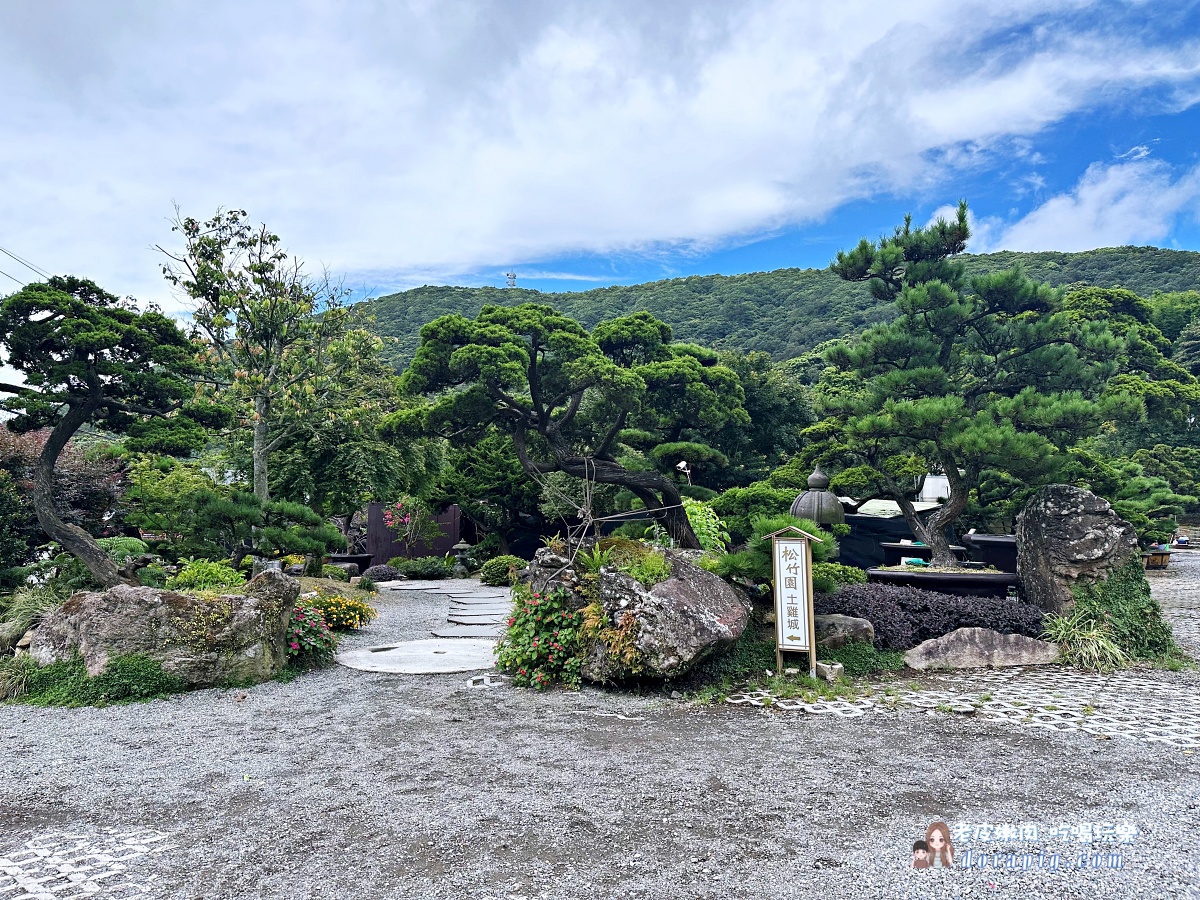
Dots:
{"x": 830, "y": 671}
{"x": 978, "y": 648}
{"x": 549, "y": 571}
{"x": 295, "y": 570}
{"x": 349, "y": 568}
{"x": 837, "y": 630}
{"x": 1066, "y": 535}
{"x": 234, "y": 638}
{"x": 664, "y": 631}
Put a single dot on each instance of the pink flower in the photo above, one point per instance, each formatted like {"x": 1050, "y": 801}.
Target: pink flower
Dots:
{"x": 295, "y": 646}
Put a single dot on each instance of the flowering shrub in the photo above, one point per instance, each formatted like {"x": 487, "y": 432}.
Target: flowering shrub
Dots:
{"x": 412, "y": 522}
{"x": 344, "y": 613}
{"x": 541, "y": 646}
{"x": 310, "y": 640}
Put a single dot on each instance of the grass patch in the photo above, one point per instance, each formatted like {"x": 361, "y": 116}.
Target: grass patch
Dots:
{"x": 859, "y": 659}
{"x": 127, "y": 679}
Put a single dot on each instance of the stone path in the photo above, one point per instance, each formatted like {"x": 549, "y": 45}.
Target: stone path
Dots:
{"x": 1142, "y": 704}
{"x": 476, "y": 610}
{"x": 54, "y": 865}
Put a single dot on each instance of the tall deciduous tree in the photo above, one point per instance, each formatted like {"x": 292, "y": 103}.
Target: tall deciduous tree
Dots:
{"x": 89, "y": 358}
{"x": 985, "y": 375}
{"x": 566, "y": 396}
{"x": 284, "y": 347}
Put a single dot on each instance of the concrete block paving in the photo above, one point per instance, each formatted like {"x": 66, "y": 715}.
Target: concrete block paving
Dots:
{"x": 56, "y": 865}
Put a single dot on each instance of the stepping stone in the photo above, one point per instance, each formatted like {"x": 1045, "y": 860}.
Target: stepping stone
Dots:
{"x": 469, "y": 631}
{"x": 476, "y": 620}
{"x": 422, "y": 657}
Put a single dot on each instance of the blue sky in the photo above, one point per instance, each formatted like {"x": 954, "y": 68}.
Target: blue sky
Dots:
{"x": 583, "y": 143}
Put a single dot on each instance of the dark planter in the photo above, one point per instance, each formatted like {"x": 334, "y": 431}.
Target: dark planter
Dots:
{"x": 999, "y": 550}
{"x": 894, "y": 552}
{"x": 962, "y": 584}
{"x": 362, "y": 560}
{"x": 1156, "y": 559}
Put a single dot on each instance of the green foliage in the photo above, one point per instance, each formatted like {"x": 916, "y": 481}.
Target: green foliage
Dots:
{"x": 710, "y": 530}
{"x": 738, "y": 507}
{"x": 342, "y": 613}
{"x": 593, "y": 560}
{"x": 336, "y": 573}
{"x": 566, "y": 396}
{"x": 988, "y": 374}
{"x": 311, "y": 642}
{"x": 197, "y": 575}
{"x": 25, "y": 607}
{"x": 754, "y": 563}
{"x": 67, "y": 683}
{"x": 1084, "y": 642}
{"x": 14, "y": 547}
{"x": 541, "y": 646}
{"x": 859, "y": 658}
{"x": 499, "y": 570}
{"x": 412, "y": 522}
{"x": 785, "y": 312}
{"x": 368, "y": 585}
{"x": 1121, "y": 607}
{"x": 431, "y": 567}
{"x": 838, "y": 573}
{"x": 486, "y": 480}
{"x": 650, "y": 569}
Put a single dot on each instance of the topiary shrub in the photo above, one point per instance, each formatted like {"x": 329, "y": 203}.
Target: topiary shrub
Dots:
{"x": 905, "y": 616}
{"x": 498, "y": 571}
{"x": 203, "y": 575}
{"x": 383, "y": 573}
{"x": 336, "y": 573}
{"x": 829, "y": 576}
{"x": 424, "y": 567}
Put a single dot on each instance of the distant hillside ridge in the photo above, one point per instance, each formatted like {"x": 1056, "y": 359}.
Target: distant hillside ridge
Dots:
{"x": 784, "y": 312}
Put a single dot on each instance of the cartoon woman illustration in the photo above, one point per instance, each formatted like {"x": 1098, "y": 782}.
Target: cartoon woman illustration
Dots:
{"x": 941, "y": 851}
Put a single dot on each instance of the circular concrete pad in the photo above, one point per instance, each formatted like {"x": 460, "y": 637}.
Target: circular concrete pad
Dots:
{"x": 423, "y": 657}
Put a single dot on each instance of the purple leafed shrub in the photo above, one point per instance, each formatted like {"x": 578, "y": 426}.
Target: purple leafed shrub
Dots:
{"x": 905, "y": 616}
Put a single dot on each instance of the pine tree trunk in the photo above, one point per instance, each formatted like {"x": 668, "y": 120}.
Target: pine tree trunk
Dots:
{"x": 259, "y": 450}
{"x": 74, "y": 539}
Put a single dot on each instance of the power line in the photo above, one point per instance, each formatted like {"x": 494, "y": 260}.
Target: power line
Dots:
{"x": 25, "y": 263}
{"x": 17, "y": 280}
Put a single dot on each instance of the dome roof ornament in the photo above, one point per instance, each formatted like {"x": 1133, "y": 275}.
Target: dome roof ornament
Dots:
{"x": 819, "y": 503}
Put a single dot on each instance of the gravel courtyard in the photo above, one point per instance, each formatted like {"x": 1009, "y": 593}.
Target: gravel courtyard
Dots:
{"x": 346, "y": 784}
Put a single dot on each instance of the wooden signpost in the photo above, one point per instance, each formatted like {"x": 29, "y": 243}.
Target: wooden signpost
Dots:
{"x": 791, "y": 563}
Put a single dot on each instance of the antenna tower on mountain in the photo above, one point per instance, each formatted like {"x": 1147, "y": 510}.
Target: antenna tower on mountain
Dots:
{"x": 510, "y": 279}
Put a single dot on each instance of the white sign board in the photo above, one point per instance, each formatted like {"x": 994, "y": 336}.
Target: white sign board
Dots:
{"x": 792, "y": 564}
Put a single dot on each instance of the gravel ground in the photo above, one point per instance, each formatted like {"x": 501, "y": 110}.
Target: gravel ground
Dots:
{"x": 346, "y": 784}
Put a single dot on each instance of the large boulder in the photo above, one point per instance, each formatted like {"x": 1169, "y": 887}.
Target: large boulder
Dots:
{"x": 663, "y": 631}
{"x": 233, "y": 638}
{"x": 979, "y": 648}
{"x": 1066, "y": 535}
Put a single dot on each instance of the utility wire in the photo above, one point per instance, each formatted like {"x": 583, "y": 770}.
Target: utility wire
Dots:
{"x": 17, "y": 280}
{"x": 25, "y": 263}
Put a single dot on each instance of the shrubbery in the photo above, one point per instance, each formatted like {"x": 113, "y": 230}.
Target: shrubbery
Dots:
{"x": 541, "y": 646}
{"x": 311, "y": 642}
{"x": 859, "y": 658}
{"x": 1113, "y": 620}
{"x": 203, "y": 575}
{"x": 498, "y": 571}
{"x": 423, "y": 566}
{"x": 905, "y": 616}
{"x": 343, "y": 613}
{"x": 383, "y": 573}
{"x": 337, "y": 573}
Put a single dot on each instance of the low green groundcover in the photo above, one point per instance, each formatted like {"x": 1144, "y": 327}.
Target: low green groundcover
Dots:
{"x": 127, "y": 678}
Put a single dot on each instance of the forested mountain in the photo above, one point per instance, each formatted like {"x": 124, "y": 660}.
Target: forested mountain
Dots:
{"x": 784, "y": 312}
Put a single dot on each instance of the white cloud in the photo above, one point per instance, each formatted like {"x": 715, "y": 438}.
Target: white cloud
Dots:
{"x": 1112, "y": 205}
{"x": 411, "y": 141}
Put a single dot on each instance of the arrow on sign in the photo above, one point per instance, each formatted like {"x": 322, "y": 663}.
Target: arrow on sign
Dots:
{"x": 792, "y": 637}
